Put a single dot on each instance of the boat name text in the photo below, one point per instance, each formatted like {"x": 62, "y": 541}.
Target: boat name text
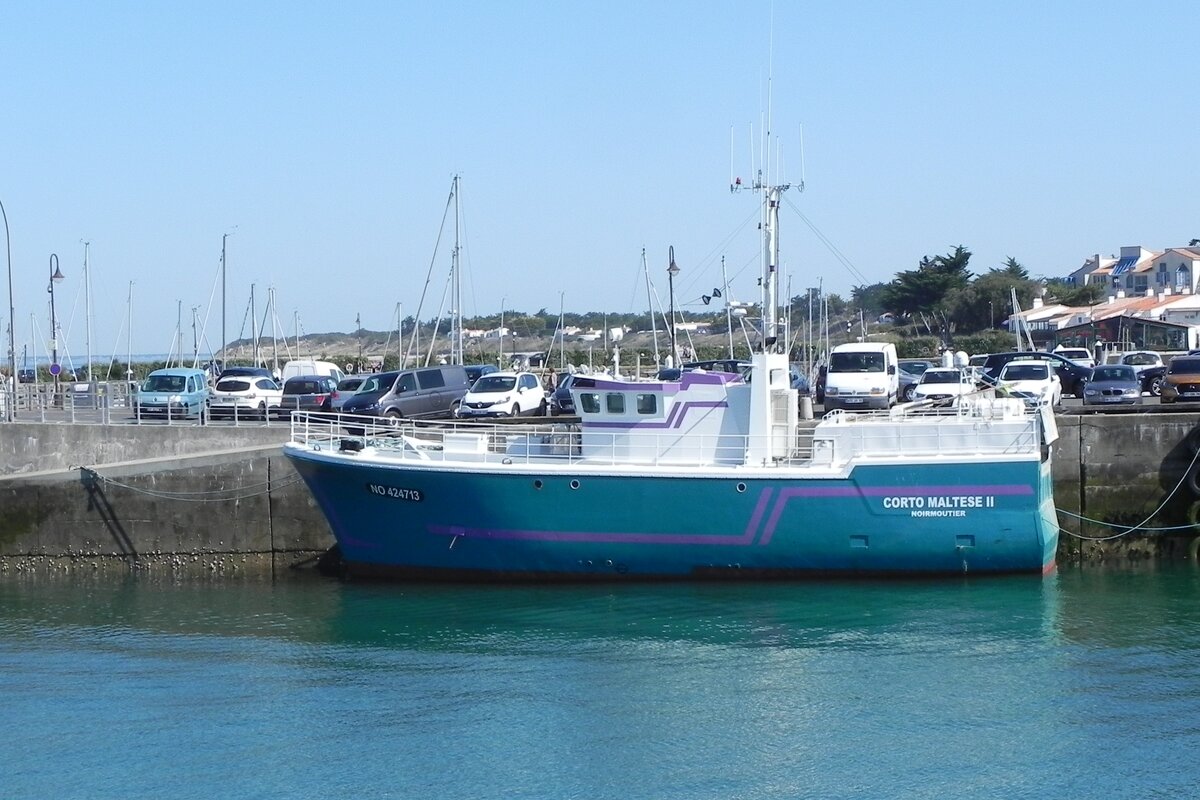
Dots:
{"x": 940, "y": 505}
{"x": 394, "y": 492}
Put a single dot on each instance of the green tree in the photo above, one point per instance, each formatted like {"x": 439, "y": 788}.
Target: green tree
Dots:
{"x": 1068, "y": 294}
{"x": 924, "y": 290}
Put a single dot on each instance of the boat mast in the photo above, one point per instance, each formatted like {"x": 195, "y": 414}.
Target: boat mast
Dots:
{"x": 87, "y": 294}
{"x": 650, "y": 300}
{"x": 456, "y": 343}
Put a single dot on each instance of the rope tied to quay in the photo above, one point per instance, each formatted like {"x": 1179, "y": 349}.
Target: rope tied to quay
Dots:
{"x": 210, "y": 496}
{"x": 1191, "y": 476}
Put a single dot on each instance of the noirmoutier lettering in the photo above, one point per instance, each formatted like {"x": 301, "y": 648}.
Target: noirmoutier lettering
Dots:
{"x": 394, "y": 492}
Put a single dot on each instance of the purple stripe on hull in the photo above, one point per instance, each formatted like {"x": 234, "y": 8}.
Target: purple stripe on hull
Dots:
{"x": 752, "y": 525}
{"x": 592, "y": 536}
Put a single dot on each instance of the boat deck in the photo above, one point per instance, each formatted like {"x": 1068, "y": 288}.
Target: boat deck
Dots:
{"x": 997, "y": 429}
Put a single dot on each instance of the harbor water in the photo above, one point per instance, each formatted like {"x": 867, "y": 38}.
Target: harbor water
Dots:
{"x": 1080, "y": 684}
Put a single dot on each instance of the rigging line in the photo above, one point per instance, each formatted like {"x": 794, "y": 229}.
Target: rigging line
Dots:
{"x": 699, "y": 271}
{"x": 825, "y": 240}
{"x": 428, "y": 277}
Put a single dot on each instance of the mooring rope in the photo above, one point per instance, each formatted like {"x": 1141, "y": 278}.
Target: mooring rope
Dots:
{"x": 226, "y": 495}
{"x": 1141, "y": 526}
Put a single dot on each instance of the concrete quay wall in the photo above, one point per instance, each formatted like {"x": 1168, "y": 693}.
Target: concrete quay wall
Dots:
{"x": 209, "y": 501}
{"x": 31, "y": 447}
{"x": 221, "y": 500}
{"x": 1127, "y": 470}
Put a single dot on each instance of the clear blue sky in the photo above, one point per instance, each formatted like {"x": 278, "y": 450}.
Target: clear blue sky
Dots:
{"x": 329, "y": 134}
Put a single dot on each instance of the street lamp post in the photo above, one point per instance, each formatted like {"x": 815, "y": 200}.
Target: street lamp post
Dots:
{"x": 56, "y": 276}
{"x": 672, "y": 271}
{"x": 10, "y": 393}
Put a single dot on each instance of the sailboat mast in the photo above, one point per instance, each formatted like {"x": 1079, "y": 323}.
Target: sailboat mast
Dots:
{"x": 87, "y": 294}
{"x": 129, "y": 337}
{"x": 456, "y": 312}
{"x": 650, "y": 300}
{"x": 253, "y": 330}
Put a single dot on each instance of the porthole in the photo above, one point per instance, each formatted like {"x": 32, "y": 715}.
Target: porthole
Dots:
{"x": 741, "y": 487}
{"x": 574, "y": 484}
{"x": 537, "y": 484}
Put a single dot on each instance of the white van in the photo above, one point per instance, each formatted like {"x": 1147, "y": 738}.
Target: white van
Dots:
{"x": 862, "y": 375}
{"x": 294, "y": 369}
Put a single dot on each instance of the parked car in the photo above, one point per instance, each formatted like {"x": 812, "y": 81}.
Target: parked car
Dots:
{"x": 916, "y": 366}
{"x": 1182, "y": 380}
{"x": 174, "y": 393}
{"x": 1080, "y": 355}
{"x": 504, "y": 394}
{"x": 424, "y": 392}
{"x": 245, "y": 372}
{"x": 1113, "y": 384}
{"x": 345, "y": 390}
{"x": 245, "y": 397}
{"x": 1034, "y": 381}
{"x": 942, "y": 383}
{"x": 1071, "y": 376}
{"x": 303, "y": 367}
{"x": 563, "y": 402}
{"x": 1140, "y": 360}
{"x": 908, "y": 384}
{"x": 1152, "y": 380}
{"x": 307, "y": 393}
{"x": 477, "y": 371}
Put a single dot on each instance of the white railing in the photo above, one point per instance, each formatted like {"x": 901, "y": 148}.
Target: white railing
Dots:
{"x": 929, "y": 434}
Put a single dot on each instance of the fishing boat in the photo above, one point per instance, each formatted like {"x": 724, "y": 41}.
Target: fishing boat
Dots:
{"x": 713, "y": 475}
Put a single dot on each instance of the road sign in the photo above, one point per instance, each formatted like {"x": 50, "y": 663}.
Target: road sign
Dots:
{"x": 55, "y": 369}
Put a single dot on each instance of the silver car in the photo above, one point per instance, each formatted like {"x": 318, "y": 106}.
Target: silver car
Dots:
{"x": 1113, "y": 384}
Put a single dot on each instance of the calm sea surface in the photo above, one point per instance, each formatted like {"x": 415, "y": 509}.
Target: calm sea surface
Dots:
{"x": 1085, "y": 684}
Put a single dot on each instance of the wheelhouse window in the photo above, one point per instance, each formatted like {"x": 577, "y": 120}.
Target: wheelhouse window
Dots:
{"x": 615, "y": 402}
{"x": 647, "y": 404}
{"x": 589, "y": 402}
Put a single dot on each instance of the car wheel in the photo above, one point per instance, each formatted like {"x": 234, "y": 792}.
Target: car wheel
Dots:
{"x": 262, "y": 411}
{"x": 543, "y": 409}
{"x": 1155, "y": 386}
{"x": 393, "y": 417}
{"x": 909, "y": 392}
{"x": 515, "y": 411}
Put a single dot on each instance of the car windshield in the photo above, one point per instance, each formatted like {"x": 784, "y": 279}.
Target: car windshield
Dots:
{"x": 941, "y": 376}
{"x": 164, "y": 383}
{"x": 302, "y": 386}
{"x": 495, "y": 383}
{"x": 350, "y": 384}
{"x": 1025, "y": 372}
{"x": 915, "y": 367}
{"x": 378, "y": 383}
{"x": 1113, "y": 374}
{"x": 233, "y": 385}
{"x": 1074, "y": 353}
{"x": 1141, "y": 359}
{"x": 1185, "y": 366}
{"x": 856, "y": 362}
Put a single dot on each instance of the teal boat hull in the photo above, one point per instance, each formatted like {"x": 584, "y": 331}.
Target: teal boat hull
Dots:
{"x": 447, "y": 522}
